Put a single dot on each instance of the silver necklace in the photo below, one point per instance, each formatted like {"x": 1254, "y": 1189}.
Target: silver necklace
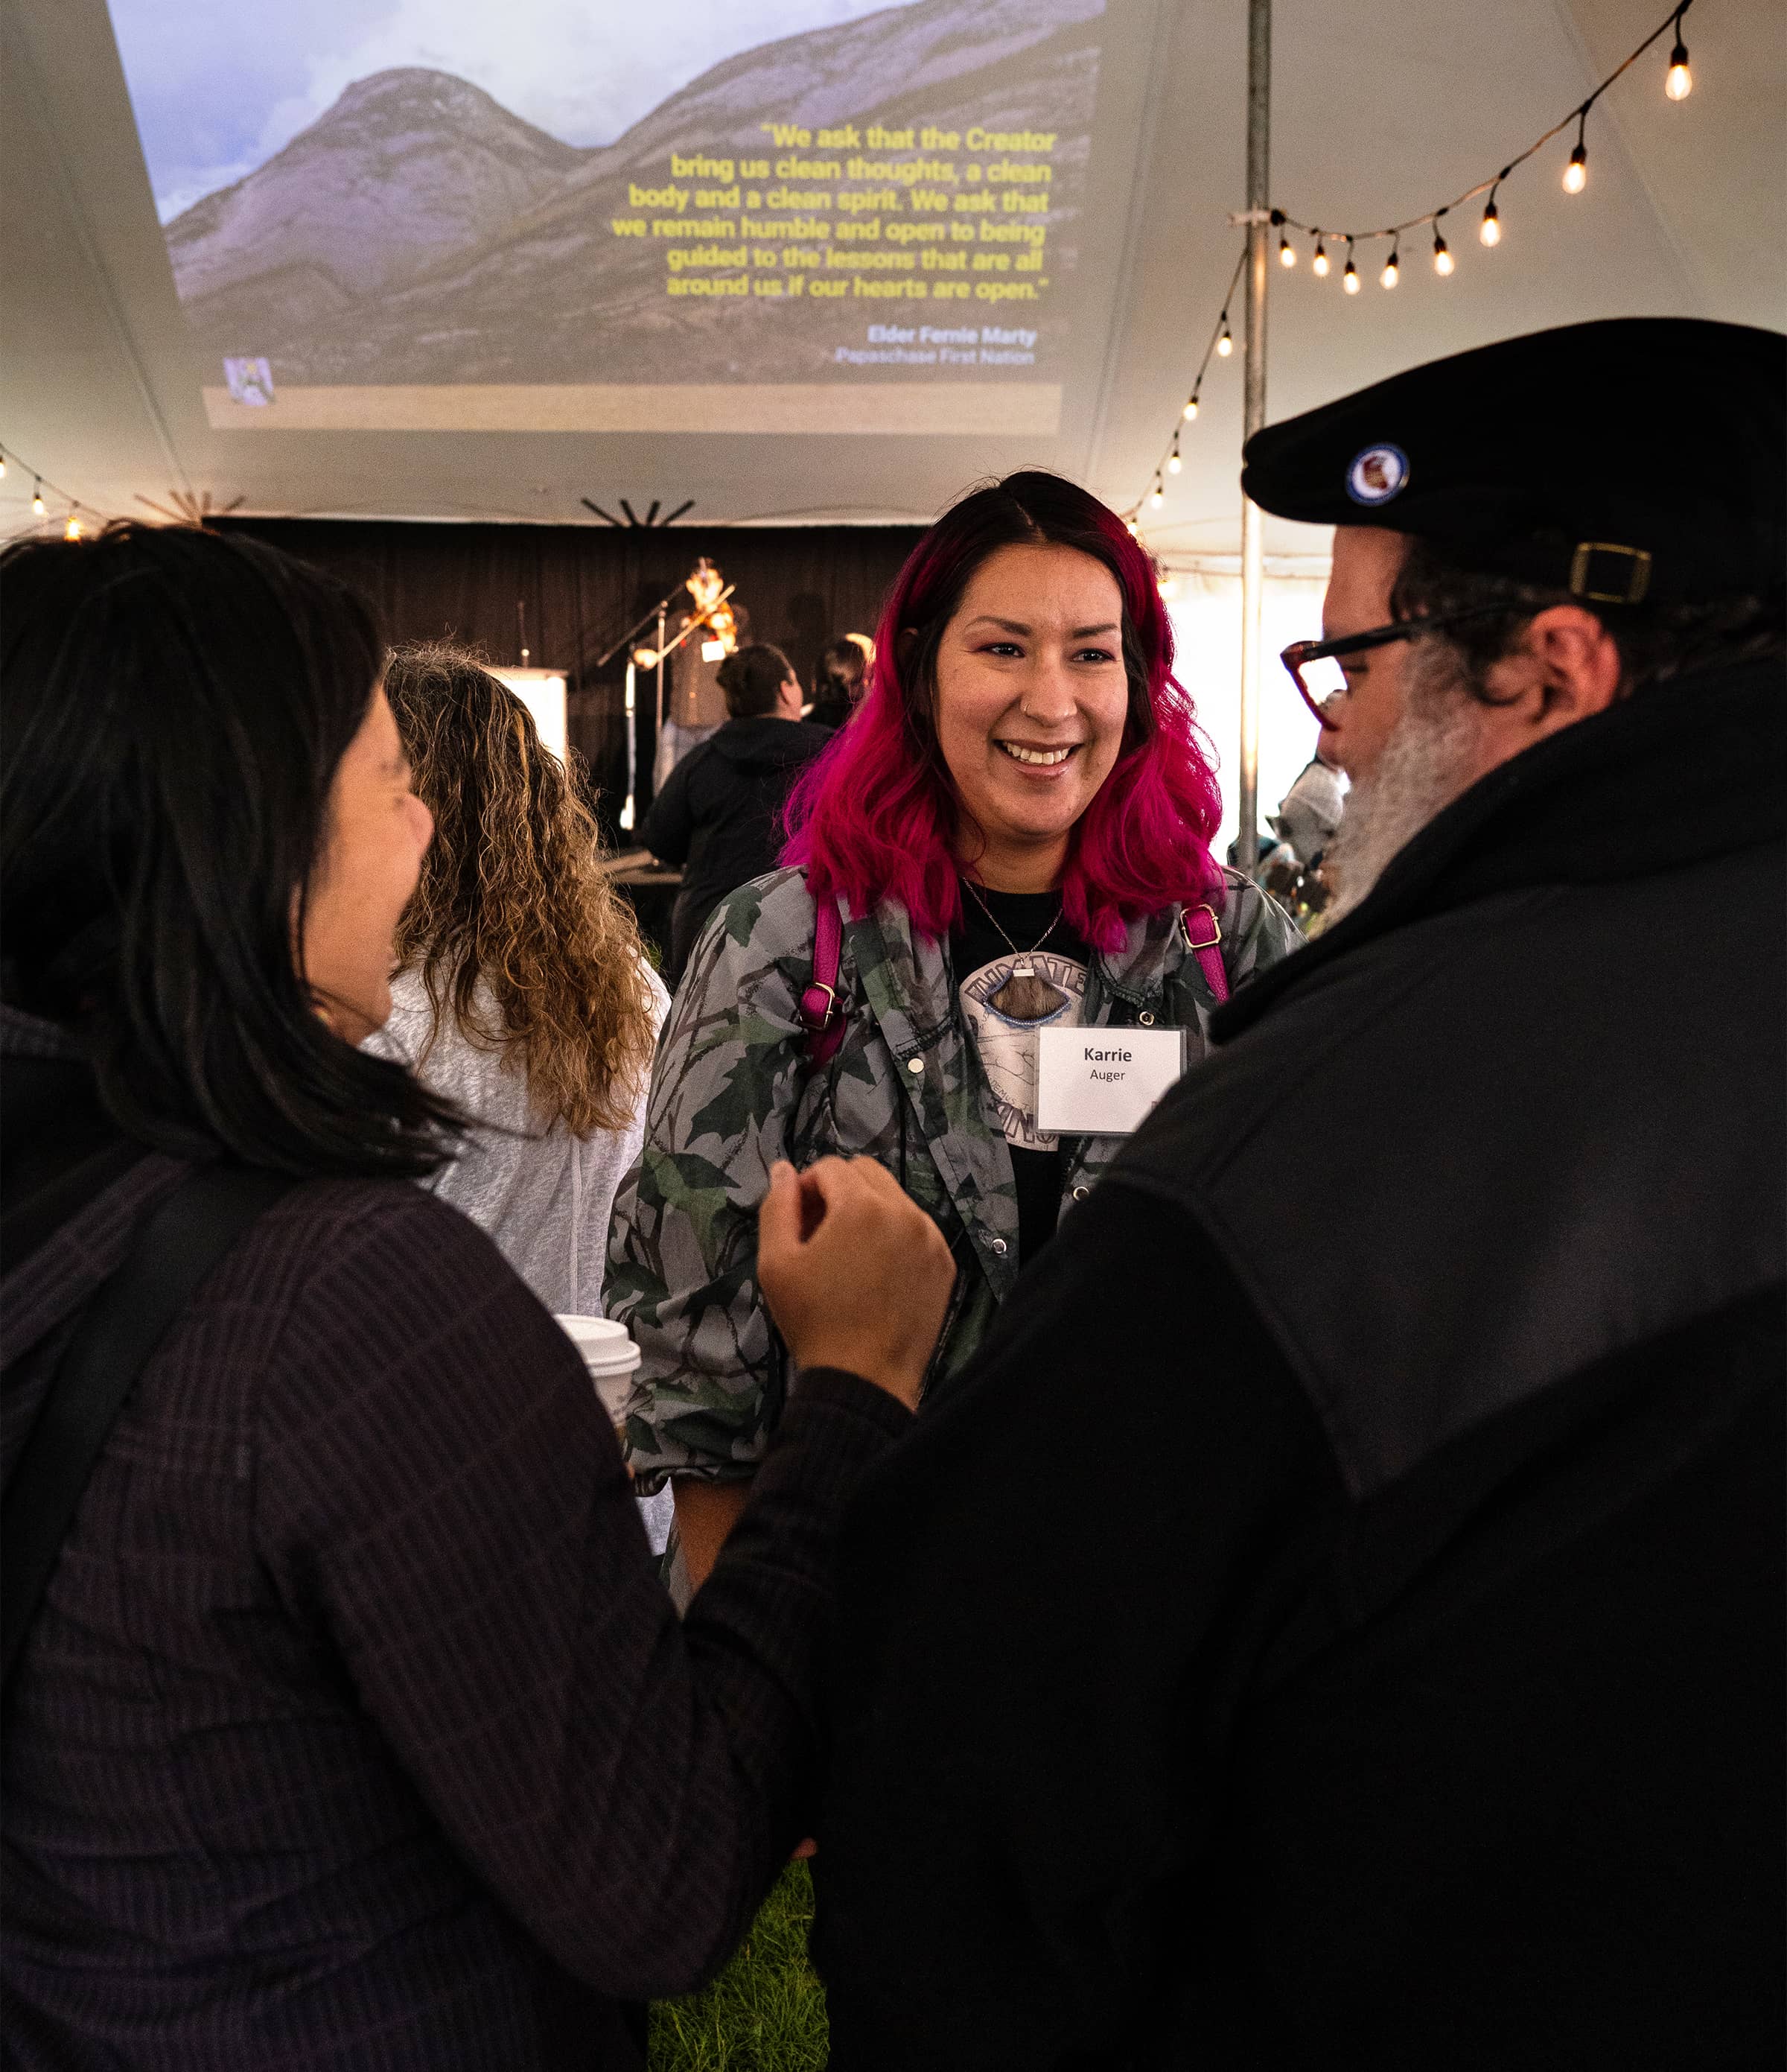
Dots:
{"x": 1023, "y": 968}
{"x": 1023, "y": 997}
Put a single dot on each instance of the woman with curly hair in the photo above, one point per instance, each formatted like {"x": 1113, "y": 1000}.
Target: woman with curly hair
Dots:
{"x": 524, "y": 996}
{"x": 1011, "y": 836}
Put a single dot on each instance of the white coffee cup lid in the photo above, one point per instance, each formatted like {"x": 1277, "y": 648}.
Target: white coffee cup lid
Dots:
{"x": 604, "y": 1344}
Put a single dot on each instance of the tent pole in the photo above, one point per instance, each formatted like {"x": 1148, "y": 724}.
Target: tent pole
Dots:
{"x": 1252, "y": 540}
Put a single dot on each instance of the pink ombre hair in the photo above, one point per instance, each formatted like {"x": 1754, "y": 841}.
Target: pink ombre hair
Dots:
{"x": 876, "y": 815}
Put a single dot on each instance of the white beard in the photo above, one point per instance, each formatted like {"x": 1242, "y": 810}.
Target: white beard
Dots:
{"x": 1429, "y": 759}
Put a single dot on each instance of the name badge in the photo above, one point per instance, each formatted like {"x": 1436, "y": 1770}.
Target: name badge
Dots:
{"x": 1102, "y": 1081}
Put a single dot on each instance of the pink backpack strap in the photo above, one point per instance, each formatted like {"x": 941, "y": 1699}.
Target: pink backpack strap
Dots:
{"x": 820, "y": 1015}
{"x": 1204, "y": 940}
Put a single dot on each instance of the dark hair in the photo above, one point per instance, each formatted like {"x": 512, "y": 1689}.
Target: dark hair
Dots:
{"x": 1656, "y": 642}
{"x": 876, "y": 815}
{"x": 753, "y": 678}
{"x": 174, "y": 707}
{"x": 843, "y": 668}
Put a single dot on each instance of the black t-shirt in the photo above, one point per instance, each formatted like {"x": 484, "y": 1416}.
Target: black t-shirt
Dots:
{"x": 1003, "y": 1008}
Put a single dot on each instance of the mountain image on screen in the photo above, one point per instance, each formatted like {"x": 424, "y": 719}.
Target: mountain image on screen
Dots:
{"x": 418, "y": 232}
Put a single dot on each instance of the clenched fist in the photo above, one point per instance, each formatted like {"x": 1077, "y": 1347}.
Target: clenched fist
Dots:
{"x": 855, "y": 1274}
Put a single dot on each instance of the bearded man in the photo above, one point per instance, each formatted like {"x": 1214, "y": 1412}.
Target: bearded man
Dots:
{"x": 1421, "y": 1703}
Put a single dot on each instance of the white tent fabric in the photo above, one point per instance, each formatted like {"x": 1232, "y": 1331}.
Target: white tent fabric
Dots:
{"x": 1378, "y": 112}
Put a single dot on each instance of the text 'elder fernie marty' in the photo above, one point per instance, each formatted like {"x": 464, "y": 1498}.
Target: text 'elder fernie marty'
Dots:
{"x": 955, "y": 335}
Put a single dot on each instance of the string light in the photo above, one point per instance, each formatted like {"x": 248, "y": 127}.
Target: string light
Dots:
{"x": 1172, "y": 462}
{"x": 1678, "y": 82}
{"x": 1576, "y": 173}
{"x": 78, "y": 517}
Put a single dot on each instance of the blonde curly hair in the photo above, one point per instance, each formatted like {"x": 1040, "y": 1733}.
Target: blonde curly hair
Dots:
{"x": 511, "y": 892}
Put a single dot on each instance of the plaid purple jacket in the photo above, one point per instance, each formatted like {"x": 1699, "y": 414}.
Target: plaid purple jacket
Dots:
{"x": 355, "y": 1730}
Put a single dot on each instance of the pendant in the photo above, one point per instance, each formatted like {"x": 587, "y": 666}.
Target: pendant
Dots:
{"x": 1025, "y": 997}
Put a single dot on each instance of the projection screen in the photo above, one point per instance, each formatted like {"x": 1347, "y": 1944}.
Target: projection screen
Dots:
{"x": 694, "y": 215}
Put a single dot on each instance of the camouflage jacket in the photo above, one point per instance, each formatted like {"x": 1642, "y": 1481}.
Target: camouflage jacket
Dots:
{"x": 732, "y": 1090}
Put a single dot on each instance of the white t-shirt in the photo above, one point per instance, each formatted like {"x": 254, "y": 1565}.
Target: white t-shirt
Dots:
{"x": 544, "y": 1197}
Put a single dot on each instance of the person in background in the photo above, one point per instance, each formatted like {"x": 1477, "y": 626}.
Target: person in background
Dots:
{"x": 718, "y": 813}
{"x": 523, "y": 999}
{"x": 841, "y": 680}
{"x": 1013, "y": 835}
{"x": 1427, "y": 1711}
{"x": 1309, "y": 816}
{"x": 354, "y": 1727}
{"x": 717, "y": 627}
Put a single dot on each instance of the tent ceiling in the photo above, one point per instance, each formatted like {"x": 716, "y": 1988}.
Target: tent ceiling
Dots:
{"x": 1378, "y": 112}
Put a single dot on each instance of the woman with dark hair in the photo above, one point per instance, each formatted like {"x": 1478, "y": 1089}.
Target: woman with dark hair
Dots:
{"x": 840, "y": 679}
{"x": 720, "y": 812}
{"x": 1014, "y": 834}
{"x": 350, "y": 1724}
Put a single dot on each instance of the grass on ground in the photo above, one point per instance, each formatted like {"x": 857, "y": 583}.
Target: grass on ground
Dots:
{"x": 765, "y": 2012}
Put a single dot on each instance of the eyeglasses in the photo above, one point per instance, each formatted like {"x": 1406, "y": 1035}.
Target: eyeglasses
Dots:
{"x": 1315, "y": 665}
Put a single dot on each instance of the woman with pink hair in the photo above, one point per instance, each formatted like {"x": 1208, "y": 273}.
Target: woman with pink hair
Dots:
{"x": 1013, "y": 834}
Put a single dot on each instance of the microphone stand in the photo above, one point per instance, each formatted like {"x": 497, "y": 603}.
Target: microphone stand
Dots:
{"x": 658, "y": 612}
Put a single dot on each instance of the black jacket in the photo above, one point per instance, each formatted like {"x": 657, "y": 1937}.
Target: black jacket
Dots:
{"x": 716, "y": 814}
{"x": 354, "y": 1728}
{"x": 1341, "y": 1623}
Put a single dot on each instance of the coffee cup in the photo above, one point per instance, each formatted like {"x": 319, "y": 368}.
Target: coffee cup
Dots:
{"x": 610, "y": 1358}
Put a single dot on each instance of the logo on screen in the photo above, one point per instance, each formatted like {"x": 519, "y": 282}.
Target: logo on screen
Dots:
{"x": 250, "y": 381}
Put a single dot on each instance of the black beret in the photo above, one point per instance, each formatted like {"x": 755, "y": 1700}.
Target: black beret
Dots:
{"x": 1642, "y": 457}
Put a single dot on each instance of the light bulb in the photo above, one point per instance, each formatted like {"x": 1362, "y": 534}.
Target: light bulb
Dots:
{"x": 1391, "y": 274}
{"x": 1443, "y": 260}
{"x": 1131, "y": 529}
{"x": 1286, "y": 256}
{"x": 1156, "y": 495}
{"x": 1679, "y": 84}
{"x": 1319, "y": 264}
{"x": 71, "y": 530}
{"x": 1174, "y": 463}
{"x": 2, "y": 466}
{"x": 37, "y": 501}
{"x": 1349, "y": 280}
{"x": 1576, "y": 173}
{"x": 1491, "y": 231}
{"x": 1225, "y": 345}
{"x": 1190, "y": 410}
{"x": 1169, "y": 586}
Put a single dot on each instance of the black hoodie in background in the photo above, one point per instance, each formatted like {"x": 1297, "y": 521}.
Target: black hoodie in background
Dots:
{"x": 716, "y": 815}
